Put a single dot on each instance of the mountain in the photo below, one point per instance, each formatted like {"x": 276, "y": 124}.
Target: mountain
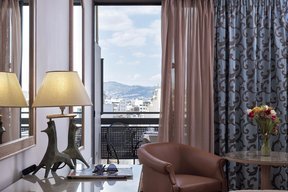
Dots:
{"x": 118, "y": 90}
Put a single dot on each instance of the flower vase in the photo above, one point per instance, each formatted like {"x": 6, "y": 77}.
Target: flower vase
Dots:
{"x": 265, "y": 148}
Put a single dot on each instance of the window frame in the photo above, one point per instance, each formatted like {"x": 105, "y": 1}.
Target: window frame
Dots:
{"x": 120, "y": 3}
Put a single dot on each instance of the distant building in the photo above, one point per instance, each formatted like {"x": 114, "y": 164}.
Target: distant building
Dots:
{"x": 155, "y": 101}
{"x": 133, "y": 105}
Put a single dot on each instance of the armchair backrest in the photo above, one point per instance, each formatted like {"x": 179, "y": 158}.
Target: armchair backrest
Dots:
{"x": 168, "y": 152}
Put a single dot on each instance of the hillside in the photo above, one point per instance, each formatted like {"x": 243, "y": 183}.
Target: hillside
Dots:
{"x": 118, "y": 90}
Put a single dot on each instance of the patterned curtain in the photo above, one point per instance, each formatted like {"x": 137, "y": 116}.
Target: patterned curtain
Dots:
{"x": 251, "y": 60}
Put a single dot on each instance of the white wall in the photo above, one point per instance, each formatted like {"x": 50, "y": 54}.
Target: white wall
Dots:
{"x": 52, "y": 54}
{"x": 88, "y": 43}
{"x": 97, "y": 101}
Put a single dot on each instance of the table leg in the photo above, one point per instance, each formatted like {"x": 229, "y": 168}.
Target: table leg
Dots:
{"x": 265, "y": 177}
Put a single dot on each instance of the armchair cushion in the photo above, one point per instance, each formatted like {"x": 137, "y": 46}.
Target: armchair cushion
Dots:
{"x": 199, "y": 183}
{"x": 179, "y": 167}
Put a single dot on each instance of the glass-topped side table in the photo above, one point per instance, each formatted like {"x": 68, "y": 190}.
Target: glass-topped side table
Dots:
{"x": 56, "y": 182}
{"x": 265, "y": 162}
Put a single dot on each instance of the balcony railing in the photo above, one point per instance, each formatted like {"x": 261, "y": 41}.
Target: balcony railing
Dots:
{"x": 137, "y": 125}
{"x": 24, "y": 123}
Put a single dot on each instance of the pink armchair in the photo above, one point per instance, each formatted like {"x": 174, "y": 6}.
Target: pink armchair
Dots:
{"x": 170, "y": 167}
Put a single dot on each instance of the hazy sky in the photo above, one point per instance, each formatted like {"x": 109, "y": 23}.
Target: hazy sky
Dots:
{"x": 25, "y": 53}
{"x": 130, "y": 41}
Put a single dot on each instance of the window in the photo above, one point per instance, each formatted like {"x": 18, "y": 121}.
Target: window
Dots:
{"x": 130, "y": 41}
{"x": 25, "y": 68}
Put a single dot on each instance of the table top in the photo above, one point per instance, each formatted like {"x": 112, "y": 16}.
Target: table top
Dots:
{"x": 57, "y": 182}
{"x": 255, "y": 157}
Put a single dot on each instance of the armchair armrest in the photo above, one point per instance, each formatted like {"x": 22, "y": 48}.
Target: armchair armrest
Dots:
{"x": 156, "y": 164}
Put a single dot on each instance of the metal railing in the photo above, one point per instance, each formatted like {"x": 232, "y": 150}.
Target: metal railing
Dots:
{"x": 24, "y": 123}
{"x": 137, "y": 125}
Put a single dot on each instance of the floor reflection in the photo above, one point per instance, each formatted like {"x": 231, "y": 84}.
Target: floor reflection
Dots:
{"x": 53, "y": 183}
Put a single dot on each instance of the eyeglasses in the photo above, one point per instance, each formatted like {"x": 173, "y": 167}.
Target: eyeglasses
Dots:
{"x": 100, "y": 169}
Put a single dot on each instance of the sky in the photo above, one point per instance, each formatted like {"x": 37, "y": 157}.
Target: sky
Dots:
{"x": 130, "y": 41}
{"x": 25, "y": 54}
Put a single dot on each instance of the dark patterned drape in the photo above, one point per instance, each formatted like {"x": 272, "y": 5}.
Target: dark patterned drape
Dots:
{"x": 251, "y": 65}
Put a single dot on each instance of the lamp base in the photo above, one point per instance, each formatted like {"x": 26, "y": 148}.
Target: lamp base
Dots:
{"x": 52, "y": 155}
{"x": 72, "y": 149}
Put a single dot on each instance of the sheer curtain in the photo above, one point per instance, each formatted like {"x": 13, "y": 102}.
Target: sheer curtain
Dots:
{"x": 10, "y": 58}
{"x": 251, "y": 67}
{"x": 186, "y": 114}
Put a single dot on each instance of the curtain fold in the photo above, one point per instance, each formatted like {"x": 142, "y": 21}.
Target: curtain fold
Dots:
{"x": 186, "y": 114}
{"x": 251, "y": 61}
{"x": 10, "y": 59}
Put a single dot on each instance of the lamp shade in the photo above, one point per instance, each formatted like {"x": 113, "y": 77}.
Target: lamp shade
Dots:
{"x": 11, "y": 94}
{"x": 60, "y": 89}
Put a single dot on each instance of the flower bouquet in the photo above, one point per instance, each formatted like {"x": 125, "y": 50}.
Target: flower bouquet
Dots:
{"x": 267, "y": 121}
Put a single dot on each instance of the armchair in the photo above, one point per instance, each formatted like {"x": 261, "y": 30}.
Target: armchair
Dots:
{"x": 170, "y": 167}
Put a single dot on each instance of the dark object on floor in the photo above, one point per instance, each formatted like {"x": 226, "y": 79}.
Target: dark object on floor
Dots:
{"x": 29, "y": 169}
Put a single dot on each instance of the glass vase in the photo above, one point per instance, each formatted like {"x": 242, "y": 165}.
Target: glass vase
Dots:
{"x": 265, "y": 148}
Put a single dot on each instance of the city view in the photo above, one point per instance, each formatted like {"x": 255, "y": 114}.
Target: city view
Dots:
{"x": 119, "y": 97}
{"x": 130, "y": 41}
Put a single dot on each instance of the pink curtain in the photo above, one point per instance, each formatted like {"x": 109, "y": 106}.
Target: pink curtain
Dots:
{"x": 10, "y": 59}
{"x": 186, "y": 114}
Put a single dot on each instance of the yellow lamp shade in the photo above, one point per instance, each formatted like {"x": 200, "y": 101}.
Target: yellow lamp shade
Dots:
{"x": 11, "y": 94}
{"x": 60, "y": 89}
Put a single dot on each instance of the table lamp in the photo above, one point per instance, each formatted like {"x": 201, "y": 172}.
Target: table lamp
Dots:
{"x": 61, "y": 89}
{"x": 11, "y": 95}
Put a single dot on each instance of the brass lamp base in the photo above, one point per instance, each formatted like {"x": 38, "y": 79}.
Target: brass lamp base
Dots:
{"x": 52, "y": 155}
{"x": 54, "y": 116}
{"x": 72, "y": 149}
